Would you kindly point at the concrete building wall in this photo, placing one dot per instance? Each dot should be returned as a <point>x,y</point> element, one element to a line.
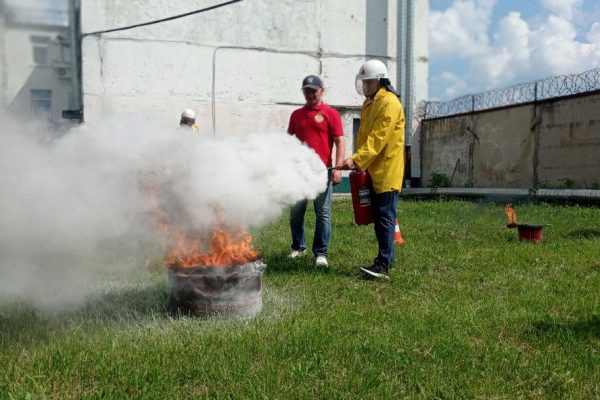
<point>455,142</point>
<point>569,142</point>
<point>239,67</point>
<point>502,144</point>
<point>246,60</point>
<point>528,146</point>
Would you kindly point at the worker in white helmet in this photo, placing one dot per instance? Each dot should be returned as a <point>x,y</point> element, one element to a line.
<point>380,151</point>
<point>188,119</point>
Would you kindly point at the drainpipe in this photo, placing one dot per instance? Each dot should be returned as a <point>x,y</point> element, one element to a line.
<point>409,71</point>
<point>3,81</point>
<point>74,31</point>
<point>405,64</point>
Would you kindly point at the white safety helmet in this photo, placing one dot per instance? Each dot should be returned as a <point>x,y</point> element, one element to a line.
<point>372,69</point>
<point>188,117</point>
<point>188,113</point>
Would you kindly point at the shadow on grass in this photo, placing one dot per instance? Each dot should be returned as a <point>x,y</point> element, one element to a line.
<point>279,263</point>
<point>585,233</point>
<point>23,323</point>
<point>513,238</point>
<point>584,329</point>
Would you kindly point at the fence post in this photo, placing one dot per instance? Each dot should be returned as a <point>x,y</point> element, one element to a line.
<point>535,92</point>
<point>473,103</point>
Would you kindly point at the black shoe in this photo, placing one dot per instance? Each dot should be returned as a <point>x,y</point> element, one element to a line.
<point>376,270</point>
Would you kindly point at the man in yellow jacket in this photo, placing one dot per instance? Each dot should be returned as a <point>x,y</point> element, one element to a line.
<point>380,151</point>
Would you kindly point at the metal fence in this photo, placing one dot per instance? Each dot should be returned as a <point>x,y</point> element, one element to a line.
<point>555,86</point>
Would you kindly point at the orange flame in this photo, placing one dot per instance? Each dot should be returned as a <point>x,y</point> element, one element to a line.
<point>511,214</point>
<point>184,249</point>
<point>225,249</point>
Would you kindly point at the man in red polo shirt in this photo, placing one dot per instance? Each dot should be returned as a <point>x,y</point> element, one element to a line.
<point>318,126</point>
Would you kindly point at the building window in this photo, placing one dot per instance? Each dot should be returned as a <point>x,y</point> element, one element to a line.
<point>40,55</point>
<point>41,104</point>
<point>40,48</point>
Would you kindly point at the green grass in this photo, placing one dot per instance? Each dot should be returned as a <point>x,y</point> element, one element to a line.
<point>469,312</point>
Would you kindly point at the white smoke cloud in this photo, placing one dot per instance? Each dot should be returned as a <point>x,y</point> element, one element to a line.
<point>65,204</point>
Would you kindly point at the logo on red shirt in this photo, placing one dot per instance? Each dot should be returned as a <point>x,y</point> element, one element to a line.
<point>319,117</point>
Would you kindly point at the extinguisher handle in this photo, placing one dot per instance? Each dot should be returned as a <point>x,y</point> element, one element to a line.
<point>339,169</point>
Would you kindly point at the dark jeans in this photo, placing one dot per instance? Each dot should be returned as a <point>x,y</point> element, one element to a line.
<point>384,214</point>
<point>323,222</point>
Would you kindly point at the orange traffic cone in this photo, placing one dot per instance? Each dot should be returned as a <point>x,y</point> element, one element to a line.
<point>397,235</point>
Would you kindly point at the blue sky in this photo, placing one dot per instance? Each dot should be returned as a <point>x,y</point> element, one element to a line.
<point>476,45</point>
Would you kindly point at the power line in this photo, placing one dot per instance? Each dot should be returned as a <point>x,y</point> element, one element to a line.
<point>161,20</point>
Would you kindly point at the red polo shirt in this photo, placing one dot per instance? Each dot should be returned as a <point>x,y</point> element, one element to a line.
<point>316,127</point>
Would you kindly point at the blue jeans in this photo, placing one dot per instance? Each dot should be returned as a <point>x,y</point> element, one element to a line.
<point>384,215</point>
<point>323,222</point>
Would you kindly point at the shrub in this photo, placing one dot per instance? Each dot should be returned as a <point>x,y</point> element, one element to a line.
<point>439,180</point>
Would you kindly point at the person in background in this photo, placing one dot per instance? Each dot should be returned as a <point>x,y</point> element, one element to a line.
<point>380,152</point>
<point>319,126</point>
<point>188,119</point>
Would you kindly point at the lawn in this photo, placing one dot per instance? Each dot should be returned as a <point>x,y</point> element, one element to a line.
<point>469,312</point>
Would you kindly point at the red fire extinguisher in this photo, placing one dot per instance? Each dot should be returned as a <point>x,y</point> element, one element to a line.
<point>360,187</point>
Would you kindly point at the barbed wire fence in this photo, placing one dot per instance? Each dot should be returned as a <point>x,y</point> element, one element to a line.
<point>543,89</point>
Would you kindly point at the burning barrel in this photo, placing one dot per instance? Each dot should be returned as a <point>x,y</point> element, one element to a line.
<point>530,233</point>
<point>527,232</point>
<point>210,272</point>
<point>214,290</point>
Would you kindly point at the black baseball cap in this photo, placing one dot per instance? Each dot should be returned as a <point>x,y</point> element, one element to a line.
<point>313,82</point>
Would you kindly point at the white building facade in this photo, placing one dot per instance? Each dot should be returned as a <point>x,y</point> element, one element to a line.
<point>240,66</point>
<point>36,67</point>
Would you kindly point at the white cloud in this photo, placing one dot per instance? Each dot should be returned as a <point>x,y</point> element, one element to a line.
<point>556,50</point>
<point>594,34</point>
<point>455,85</point>
<point>461,29</point>
<point>517,52</point>
<point>562,8</point>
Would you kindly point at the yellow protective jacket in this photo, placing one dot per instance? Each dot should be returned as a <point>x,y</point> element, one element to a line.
<point>194,128</point>
<point>380,141</point>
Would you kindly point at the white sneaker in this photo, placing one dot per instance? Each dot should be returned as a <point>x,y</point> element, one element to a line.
<point>321,261</point>
<point>296,253</point>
